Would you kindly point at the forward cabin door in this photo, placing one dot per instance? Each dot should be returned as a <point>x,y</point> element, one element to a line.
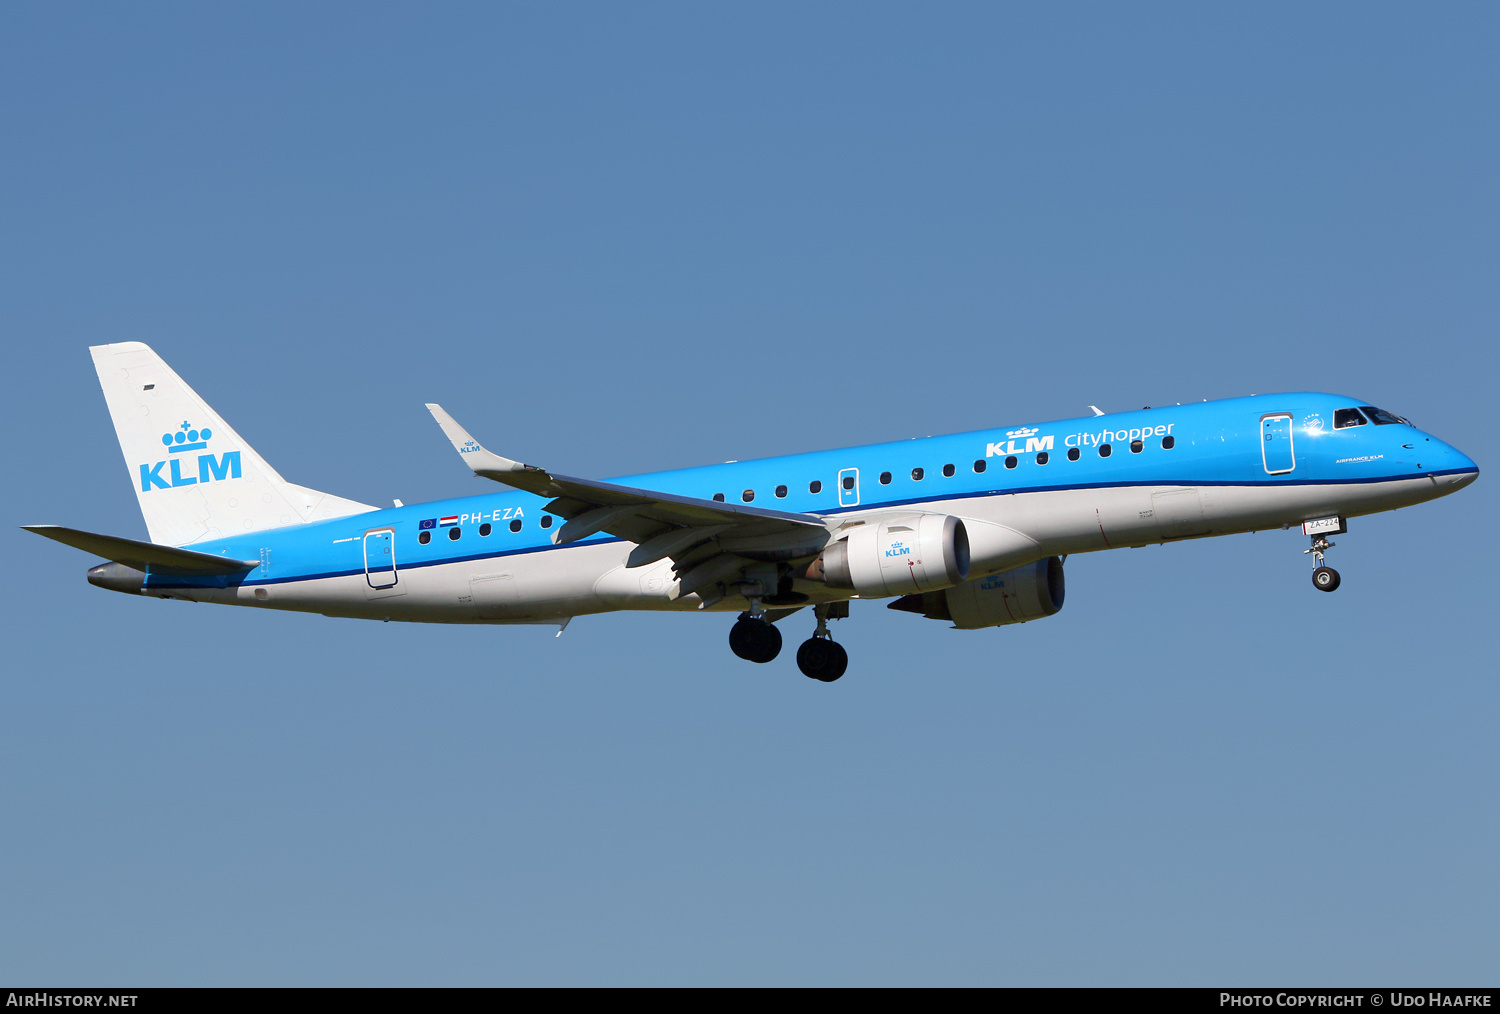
<point>1276,443</point>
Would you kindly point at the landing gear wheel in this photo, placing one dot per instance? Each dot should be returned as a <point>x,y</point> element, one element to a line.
<point>1325,579</point>
<point>822,659</point>
<point>755,640</point>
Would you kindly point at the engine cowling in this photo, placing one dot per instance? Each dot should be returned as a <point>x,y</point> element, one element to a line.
<point>1016,596</point>
<point>897,556</point>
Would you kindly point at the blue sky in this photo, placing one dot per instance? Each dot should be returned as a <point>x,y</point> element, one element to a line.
<point>615,239</point>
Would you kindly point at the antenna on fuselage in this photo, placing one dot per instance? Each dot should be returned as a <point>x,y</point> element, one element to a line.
<point>1097,410</point>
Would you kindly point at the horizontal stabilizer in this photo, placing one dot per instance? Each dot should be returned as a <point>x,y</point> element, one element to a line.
<point>142,554</point>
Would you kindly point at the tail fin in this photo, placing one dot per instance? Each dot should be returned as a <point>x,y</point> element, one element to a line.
<point>196,479</point>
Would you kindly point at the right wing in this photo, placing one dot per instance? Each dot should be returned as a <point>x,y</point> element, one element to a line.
<point>709,541</point>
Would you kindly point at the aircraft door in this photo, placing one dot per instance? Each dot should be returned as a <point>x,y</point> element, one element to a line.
<point>1276,449</point>
<point>849,487</point>
<point>380,558</point>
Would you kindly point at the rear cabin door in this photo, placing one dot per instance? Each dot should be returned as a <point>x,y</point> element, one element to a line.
<point>849,487</point>
<point>380,558</point>
<point>1276,443</point>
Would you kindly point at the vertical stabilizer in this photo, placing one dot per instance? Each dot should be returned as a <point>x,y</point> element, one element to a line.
<point>196,479</point>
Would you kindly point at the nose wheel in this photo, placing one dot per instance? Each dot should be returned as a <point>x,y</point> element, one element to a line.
<point>1324,578</point>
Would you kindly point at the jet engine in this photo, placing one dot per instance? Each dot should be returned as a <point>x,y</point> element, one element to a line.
<point>1026,593</point>
<point>897,556</point>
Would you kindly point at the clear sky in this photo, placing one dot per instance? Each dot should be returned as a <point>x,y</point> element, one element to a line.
<point>615,238</point>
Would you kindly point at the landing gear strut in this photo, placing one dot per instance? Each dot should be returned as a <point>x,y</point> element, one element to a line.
<point>752,637</point>
<point>820,657</point>
<point>1323,578</point>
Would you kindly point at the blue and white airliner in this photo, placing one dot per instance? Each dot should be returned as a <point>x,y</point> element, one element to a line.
<point>971,528</point>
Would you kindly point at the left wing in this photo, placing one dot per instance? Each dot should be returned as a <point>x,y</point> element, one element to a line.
<point>708,541</point>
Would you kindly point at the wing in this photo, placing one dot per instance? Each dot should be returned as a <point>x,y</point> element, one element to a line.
<point>708,541</point>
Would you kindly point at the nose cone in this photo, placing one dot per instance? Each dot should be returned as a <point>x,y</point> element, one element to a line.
<point>1450,467</point>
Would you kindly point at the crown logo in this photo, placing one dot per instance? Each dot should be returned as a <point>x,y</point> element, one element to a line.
<point>1020,434</point>
<point>186,439</point>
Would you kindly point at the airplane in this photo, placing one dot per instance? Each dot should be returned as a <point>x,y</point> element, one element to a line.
<point>972,528</point>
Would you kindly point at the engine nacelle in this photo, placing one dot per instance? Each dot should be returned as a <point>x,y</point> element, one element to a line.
<point>1026,593</point>
<point>897,556</point>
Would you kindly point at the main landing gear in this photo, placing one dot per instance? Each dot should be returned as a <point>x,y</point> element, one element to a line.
<point>1323,578</point>
<point>821,657</point>
<point>755,639</point>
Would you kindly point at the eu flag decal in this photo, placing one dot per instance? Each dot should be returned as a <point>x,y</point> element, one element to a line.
<point>429,523</point>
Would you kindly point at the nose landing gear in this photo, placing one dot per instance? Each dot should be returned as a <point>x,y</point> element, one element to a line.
<point>821,657</point>
<point>1323,578</point>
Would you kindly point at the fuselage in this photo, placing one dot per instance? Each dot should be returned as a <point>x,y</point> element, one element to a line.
<point>1024,491</point>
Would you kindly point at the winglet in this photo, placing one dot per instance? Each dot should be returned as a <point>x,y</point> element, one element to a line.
<point>483,462</point>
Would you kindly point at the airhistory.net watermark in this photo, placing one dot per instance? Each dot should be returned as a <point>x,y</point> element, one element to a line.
<point>42,998</point>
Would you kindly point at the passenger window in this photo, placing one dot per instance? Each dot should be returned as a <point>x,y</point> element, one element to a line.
<point>748,495</point>
<point>424,538</point>
<point>885,478</point>
<point>1168,443</point>
<point>1105,450</point>
<point>719,497</point>
<point>515,525</point>
<point>1136,446</point>
<point>815,486</point>
<point>848,482</point>
<point>485,529</point>
<point>546,521</point>
<point>1010,462</point>
<point>455,533</point>
<point>780,492</point>
<point>916,474</point>
<point>979,465</point>
<point>1072,454</point>
<point>948,471</point>
<point>1041,457</point>
<point>1343,418</point>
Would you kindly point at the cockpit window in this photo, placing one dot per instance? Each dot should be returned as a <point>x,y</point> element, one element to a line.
<point>1380,417</point>
<point>1345,417</point>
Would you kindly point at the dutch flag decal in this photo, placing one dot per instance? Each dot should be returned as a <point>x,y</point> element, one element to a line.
<point>451,519</point>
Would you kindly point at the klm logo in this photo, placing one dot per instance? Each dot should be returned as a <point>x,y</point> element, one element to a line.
<point>210,468</point>
<point>897,549</point>
<point>1029,443</point>
<point>469,447</point>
